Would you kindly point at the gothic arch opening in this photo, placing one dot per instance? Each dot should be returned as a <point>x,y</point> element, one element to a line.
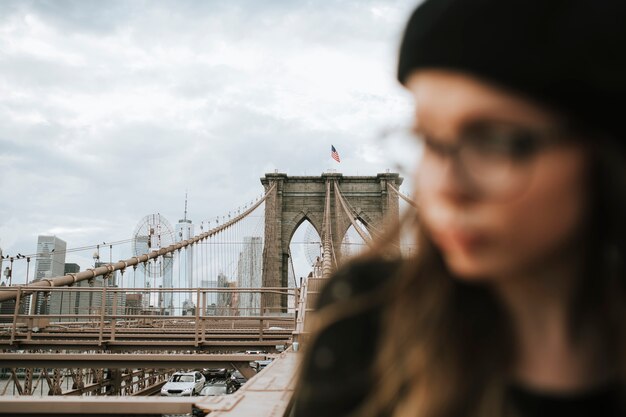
<point>352,243</point>
<point>305,248</point>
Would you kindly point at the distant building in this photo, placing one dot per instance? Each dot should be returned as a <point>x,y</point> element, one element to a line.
<point>49,263</point>
<point>184,231</point>
<point>226,301</point>
<point>166,298</point>
<point>234,297</point>
<point>87,302</point>
<point>65,302</point>
<point>249,272</point>
<point>133,304</point>
<point>7,308</point>
<point>50,260</point>
<point>211,296</point>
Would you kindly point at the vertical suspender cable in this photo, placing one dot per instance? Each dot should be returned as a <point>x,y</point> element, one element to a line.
<point>327,262</point>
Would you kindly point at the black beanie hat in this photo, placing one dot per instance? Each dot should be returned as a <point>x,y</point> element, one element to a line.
<point>567,54</point>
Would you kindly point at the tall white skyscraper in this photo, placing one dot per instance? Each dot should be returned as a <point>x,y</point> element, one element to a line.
<point>49,263</point>
<point>167,303</point>
<point>50,260</point>
<point>249,271</point>
<point>184,231</point>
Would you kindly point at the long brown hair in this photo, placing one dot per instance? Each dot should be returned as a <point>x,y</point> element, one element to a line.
<point>447,346</point>
<point>443,343</point>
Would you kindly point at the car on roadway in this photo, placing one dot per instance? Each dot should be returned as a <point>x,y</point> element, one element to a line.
<point>217,387</point>
<point>258,366</point>
<point>212,373</point>
<point>238,379</point>
<point>183,384</point>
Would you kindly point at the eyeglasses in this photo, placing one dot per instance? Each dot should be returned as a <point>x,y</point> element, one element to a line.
<point>493,159</point>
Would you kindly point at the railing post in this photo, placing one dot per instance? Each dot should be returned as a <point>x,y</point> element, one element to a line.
<point>197,315</point>
<point>113,315</point>
<point>261,322</point>
<point>296,306</point>
<point>16,313</point>
<point>203,317</point>
<point>33,312</point>
<point>102,312</point>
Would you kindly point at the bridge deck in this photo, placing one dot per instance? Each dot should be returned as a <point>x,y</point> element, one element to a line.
<point>122,360</point>
<point>265,395</point>
<point>268,394</point>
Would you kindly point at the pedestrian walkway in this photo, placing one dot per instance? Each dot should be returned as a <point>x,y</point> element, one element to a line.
<point>266,395</point>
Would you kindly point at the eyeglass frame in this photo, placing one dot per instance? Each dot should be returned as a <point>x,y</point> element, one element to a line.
<point>542,138</point>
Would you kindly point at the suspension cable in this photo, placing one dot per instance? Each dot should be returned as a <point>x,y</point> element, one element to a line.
<point>9,293</point>
<point>372,229</point>
<point>350,215</point>
<point>401,195</point>
<point>326,263</point>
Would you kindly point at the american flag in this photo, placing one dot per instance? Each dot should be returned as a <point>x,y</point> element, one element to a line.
<point>334,154</point>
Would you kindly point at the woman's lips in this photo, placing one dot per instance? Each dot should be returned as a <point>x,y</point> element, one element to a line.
<point>459,240</point>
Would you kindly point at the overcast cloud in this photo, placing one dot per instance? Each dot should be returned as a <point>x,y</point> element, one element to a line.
<point>111,110</point>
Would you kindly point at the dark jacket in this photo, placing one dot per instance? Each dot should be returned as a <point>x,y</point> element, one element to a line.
<point>337,373</point>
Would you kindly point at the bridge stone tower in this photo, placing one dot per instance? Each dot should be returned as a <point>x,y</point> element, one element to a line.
<point>299,198</point>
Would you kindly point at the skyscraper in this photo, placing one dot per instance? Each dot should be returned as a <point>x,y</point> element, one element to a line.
<point>225,300</point>
<point>49,263</point>
<point>167,303</point>
<point>50,260</point>
<point>65,302</point>
<point>249,271</point>
<point>75,302</point>
<point>184,231</point>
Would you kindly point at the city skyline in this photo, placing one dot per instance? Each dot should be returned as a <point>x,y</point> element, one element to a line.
<point>110,111</point>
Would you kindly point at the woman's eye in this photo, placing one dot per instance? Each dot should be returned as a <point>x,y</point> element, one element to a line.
<point>522,145</point>
<point>434,147</point>
<point>504,143</point>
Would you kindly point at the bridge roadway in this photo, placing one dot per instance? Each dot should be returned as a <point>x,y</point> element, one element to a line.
<point>131,360</point>
<point>187,341</point>
<point>266,394</point>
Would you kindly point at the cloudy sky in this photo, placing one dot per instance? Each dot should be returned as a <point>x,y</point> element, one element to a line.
<point>111,110</point>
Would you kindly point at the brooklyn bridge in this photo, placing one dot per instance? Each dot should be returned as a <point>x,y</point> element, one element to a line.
<point>106,340</point>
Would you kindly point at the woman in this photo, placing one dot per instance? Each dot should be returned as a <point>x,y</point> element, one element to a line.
<point>516,301</point>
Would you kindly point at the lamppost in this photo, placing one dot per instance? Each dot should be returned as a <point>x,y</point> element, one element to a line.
<point>96,259</point>
<point>8,271</point>
<point>27,268</point>
<point>7,274</point>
